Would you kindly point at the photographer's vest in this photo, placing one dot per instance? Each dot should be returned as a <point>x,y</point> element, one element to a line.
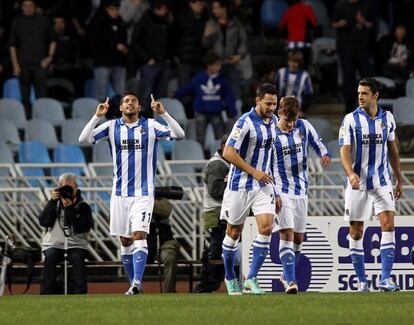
<point>55,237</point>
<point>209,203</point>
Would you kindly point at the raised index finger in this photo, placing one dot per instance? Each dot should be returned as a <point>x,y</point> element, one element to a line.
<point>152,98</point>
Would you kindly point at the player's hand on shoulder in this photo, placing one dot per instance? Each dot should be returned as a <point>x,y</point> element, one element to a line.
<point>325,161</point>
<point>262,177</point>
<point>156,106</point>
<point>354,180</point>
<point>102,108</point>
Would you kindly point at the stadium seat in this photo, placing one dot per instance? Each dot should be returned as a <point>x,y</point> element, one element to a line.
<point>333,148</point>
<point>6,155</point>
<point>49,109</point>
<point>68,153</point>
<point>84,108</point>
<point>210,144</point>
<point>409,88</point>
<point>89,89</point>
<point>43,131</point>
<point>176,109</point>
<point>11,89</point>
<point>13,111</point>
<point>322,127</point>
<point>101,152</point>
<point>404,111</point>
<point>9,134</point>
<point>187,150</point>
<point>34,152</point>
<point>271,12</point>
<point>71,130</point>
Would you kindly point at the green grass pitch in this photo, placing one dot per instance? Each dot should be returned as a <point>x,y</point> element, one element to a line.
<point>304,308</point>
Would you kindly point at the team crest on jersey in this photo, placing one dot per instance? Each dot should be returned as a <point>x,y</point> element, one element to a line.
<point>236,133</point>
<point>382,125</point>
<point>142,131</point>
<point>301,135</point>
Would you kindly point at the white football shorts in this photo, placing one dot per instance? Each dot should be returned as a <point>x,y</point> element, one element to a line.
<point>362,205</point>
<point>237,204</point>
<point>293,214</point>
<point>130,214</point>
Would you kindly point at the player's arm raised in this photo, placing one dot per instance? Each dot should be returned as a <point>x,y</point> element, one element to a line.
<point>395,165</point>
<point>177,131</point>
<point>90,134</point>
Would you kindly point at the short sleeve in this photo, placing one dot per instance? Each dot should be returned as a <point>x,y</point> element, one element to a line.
<point>238,133</point>
<point>392,126</point>
<point>345,132</point>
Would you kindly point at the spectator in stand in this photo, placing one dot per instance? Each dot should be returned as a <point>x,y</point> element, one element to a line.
<point>294,81</point>
<point>299,21</point>
<point>66,61</point>
<point>109,43</point>
<point>227,37</point>
<point>353,23</point>
<point>395,56</point>
<point>211,95</point>
<point>32,47</point>
<point>151,51</point>
<point>189,29</point>
<point>131,11</point>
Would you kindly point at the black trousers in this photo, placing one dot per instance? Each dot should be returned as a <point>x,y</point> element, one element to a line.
<point>53,256</point>
<point>36,76</point>
<point>211,274</point>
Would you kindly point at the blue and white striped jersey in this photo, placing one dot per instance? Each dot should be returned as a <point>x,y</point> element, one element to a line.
<point>295,84</point>
<point>369,137</point>
<point>134,153</point>
<point>290,166</point>
<point>253,139</point>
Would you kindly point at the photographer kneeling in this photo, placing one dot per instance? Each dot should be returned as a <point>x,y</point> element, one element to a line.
<point>65,215</point>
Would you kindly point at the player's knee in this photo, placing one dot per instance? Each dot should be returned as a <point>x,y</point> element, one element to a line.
<point>234,233</point>
<point>388,226</point>
<point>266,230</point>
<point>139,235</point>
<point>356,234</point>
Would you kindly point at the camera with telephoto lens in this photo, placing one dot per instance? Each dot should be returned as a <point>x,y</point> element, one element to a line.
<point>66,191</point>
<point>169,192</point>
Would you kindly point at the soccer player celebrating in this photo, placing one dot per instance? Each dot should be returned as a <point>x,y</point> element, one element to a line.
<point>370,130</point>
<point>133,141</point>
<point>250,186</point>
<point>290,170</point>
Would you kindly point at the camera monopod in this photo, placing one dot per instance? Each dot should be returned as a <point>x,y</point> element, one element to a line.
<point>4,262</point>
<point>66,233</point>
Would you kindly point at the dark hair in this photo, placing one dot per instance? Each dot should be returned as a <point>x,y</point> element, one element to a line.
<point>111,3</point>
<point>290,106</point>
<point>223,141</point>
<point>156,4</point>
<point>129,93</point>
<point>264,89</point>
<point>372,83</point>
<point>210,58</point>
<point>296,56</point>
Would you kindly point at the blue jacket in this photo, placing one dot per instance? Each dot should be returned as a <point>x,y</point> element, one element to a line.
<point>210,94</point>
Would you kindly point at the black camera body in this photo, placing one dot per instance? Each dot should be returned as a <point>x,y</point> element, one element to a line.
<point>66,191</point>
<point>169,192</point>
